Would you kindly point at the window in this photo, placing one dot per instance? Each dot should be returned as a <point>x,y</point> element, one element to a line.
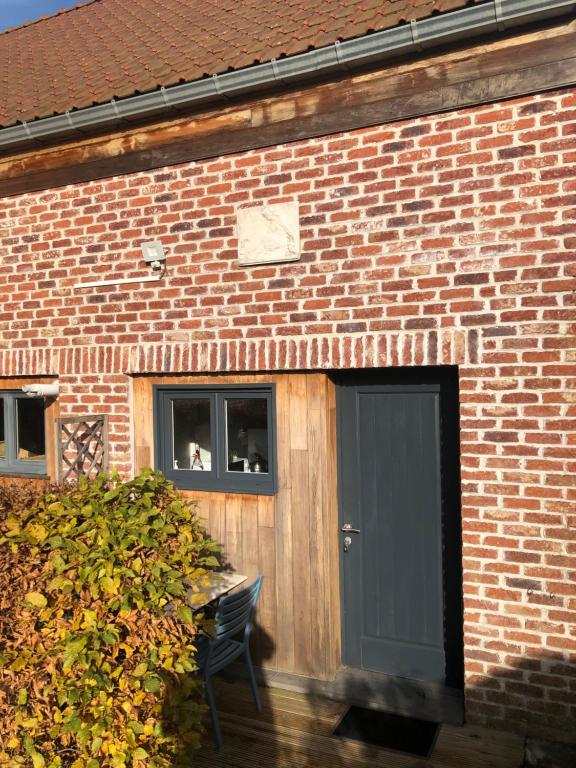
<point>22,434</point>
<point>218,438</point>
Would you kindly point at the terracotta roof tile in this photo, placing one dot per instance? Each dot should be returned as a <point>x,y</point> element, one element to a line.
<point>115,48</point>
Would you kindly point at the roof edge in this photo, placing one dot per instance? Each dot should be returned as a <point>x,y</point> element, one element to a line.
<point>428,33</point>
<point>61,12</point>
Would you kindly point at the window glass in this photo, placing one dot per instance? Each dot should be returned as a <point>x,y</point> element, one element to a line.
<point>2,434</point>
<point>31,440</point>
<point>247,435</point>
<point>191,447</point>
<point>219,438</point>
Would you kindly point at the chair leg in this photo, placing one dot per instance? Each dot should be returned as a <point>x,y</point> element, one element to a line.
<point>218,741</point>
<point>252,677</point>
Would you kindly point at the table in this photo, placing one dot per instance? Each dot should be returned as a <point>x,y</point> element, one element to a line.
<point>219,584</point>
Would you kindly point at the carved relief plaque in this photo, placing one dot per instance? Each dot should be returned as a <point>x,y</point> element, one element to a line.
<point>268,233</point>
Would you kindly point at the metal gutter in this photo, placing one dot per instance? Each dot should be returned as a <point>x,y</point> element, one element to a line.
<point>432,32</point>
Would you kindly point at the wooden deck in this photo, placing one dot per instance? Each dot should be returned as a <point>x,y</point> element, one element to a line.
<point>294,731</point>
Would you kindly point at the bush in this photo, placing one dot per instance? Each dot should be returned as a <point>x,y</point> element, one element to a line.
<point>97,639</point>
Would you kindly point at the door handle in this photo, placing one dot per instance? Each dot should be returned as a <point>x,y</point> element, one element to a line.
<point>347,528</point>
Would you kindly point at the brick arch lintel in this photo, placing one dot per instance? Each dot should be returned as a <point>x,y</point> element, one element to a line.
<point>451,346</point>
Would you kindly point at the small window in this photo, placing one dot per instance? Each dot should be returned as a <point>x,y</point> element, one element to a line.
<point>220,438</point>
<point>22,434</point>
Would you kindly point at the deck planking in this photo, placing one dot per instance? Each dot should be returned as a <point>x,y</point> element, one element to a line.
<point>295,731</point>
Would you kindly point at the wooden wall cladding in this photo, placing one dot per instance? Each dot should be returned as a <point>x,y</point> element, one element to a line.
<point>291,537</point>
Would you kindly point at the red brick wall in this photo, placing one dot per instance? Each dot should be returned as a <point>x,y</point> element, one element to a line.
<point>444,240</point>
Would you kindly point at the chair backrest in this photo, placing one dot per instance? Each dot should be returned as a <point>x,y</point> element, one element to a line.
<point>235,612</point>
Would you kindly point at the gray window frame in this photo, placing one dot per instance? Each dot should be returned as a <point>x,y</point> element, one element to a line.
<point>218,478</point>
<point>11,464</point>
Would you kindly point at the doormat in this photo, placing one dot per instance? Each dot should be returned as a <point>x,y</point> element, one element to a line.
<point>403,734</point>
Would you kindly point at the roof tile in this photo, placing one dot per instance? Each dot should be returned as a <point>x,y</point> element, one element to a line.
<point>115,48</point>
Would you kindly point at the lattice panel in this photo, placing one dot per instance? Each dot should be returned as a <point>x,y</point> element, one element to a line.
<point>82,447</point>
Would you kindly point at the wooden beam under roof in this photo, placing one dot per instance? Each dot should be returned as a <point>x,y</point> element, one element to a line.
<point>492,71</point>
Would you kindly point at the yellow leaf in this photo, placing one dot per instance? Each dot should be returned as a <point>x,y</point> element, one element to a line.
<point>36,599</point>
<point>37,531</point>
<point>108,585</point>
<point>88,618</point>
<point>37,760</point>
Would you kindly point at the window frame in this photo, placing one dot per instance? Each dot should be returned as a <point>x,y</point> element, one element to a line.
<point>11,464</point>
<point>218,478</point>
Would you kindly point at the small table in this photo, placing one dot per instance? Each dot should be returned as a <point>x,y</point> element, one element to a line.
<point>219,584</point>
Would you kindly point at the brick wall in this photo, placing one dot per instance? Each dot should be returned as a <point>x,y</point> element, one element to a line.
<point>444,240</point>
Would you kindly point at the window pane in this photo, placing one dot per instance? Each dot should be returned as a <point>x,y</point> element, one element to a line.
<point>191,429</point>
<point>30,424</point>
<point>247,435</point>
<point>2,438</point>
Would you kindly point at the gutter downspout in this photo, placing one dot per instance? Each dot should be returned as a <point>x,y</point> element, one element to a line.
<point>435,31</point>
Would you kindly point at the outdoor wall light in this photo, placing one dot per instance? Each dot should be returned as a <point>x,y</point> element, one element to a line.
<point>152,253</point>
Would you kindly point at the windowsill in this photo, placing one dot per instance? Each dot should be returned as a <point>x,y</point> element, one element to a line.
<point>24,475</point>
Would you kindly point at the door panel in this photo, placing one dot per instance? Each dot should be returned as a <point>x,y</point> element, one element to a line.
<point>390,486</point>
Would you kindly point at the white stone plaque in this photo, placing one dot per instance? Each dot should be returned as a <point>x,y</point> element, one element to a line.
<point>268,233</point>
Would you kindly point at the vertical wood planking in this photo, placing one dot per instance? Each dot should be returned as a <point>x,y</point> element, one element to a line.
<point>331,525</point>
<point>286,537</point>
<point>318,499</point>
<point>283,434</point>
<point>249,534</point>
<point>301,571</point>
<point>143,424</point>
<point>233,531</point>
<point>286,628</point>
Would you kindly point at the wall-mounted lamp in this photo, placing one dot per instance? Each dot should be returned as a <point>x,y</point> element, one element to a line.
<point>152,253</point>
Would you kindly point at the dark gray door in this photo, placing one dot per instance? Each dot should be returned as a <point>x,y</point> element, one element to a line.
<point>391,492</point>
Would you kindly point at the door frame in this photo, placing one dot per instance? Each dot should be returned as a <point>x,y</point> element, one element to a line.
<point>446,377</point>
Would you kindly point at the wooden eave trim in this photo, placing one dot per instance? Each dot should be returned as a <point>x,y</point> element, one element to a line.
<point>528,63</point>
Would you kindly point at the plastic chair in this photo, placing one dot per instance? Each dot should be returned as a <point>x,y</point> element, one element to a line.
<point>234,616</point>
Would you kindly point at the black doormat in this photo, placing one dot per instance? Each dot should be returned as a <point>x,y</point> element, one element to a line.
<point>404,734</point>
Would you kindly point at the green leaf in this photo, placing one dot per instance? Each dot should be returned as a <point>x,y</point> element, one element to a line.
<point>141,669</point>
<point>185,614</point>
<point>36,599</point>
<point>152,684</point>
<point>139,754</point>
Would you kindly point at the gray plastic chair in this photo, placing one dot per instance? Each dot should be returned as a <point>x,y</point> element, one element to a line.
<point>234,617</point>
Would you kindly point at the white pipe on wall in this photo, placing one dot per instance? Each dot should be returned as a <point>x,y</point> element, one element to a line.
<point>42,390</point>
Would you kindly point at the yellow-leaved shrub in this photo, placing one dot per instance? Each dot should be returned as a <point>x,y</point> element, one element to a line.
<point>96,634</point>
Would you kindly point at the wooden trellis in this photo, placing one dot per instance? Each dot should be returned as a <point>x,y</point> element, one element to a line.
<point>82,445</point>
